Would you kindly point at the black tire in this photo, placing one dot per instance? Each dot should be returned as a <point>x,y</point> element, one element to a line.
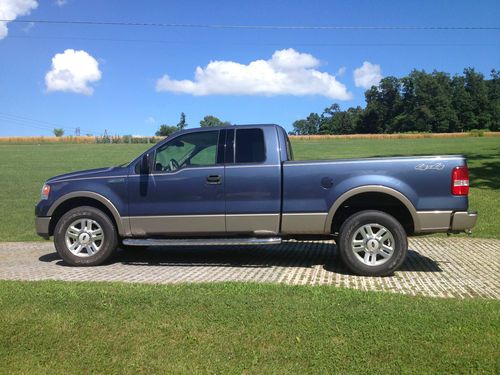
<point>107,245</point>
<point>374,219</point>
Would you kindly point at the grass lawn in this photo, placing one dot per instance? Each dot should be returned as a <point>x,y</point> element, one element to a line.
<point>57,327</point>
<point>26,167</point>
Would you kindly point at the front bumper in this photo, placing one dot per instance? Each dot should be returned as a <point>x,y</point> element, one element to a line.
<point>42,225</point>
<point>463,221</point>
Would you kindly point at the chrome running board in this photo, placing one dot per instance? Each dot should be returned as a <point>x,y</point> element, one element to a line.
<point>202,241</point>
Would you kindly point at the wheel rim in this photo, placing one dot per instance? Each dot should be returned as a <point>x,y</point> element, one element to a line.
<point>84,237</point>
<point>373,244</point>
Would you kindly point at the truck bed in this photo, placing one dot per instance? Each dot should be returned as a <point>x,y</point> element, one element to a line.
<point>311,188</point>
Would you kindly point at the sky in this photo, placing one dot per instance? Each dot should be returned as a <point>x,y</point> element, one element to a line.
<point>131,79</point>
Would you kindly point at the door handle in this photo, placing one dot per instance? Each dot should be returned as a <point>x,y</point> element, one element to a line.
<point>214,179</point>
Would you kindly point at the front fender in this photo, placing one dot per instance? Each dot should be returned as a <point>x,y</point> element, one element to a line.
<point>92,195</point>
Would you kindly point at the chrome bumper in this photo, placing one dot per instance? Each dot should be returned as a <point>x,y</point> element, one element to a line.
<point>445,221</point>
<point>42,226</point>
<point>463,221</point>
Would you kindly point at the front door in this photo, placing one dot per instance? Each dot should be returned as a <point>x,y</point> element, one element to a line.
<point>184,192</point>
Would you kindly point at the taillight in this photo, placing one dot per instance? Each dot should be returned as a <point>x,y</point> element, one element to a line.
<point>45,192</point>
<point>460,181</point>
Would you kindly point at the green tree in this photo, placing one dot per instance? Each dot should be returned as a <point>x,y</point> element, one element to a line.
<point>309,126</point>
<point>298,127</point>
<point>58,132</point>
<point>182,121</point>
<point>433,111</point>
<point>462,104</point>
<point>209,121</point>
<point>336,121</point>
<point>494,100</point>
<point>475,85</point>
<point>383,104</point>
<point>369,122</point>
<point>327,122</point>
<point>166,130</point>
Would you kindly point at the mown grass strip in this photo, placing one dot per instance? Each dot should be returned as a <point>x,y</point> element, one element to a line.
<point>57,327</point>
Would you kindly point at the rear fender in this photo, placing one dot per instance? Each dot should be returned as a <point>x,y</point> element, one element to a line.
<point>372,189</point>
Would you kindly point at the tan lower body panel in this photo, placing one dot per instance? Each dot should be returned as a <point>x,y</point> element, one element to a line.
<point>255,223</point>
<point>150,225</point>
<point>433,221</point>
<point>303,223</point>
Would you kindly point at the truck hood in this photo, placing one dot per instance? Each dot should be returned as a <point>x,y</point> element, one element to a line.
<point>98,172</point>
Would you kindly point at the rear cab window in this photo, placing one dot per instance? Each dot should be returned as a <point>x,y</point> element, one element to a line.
<point>250,146</point>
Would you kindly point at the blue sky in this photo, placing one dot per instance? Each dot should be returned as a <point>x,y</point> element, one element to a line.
<point>116,80</point>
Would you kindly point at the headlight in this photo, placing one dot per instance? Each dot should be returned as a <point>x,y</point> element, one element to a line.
<point>45,192</point>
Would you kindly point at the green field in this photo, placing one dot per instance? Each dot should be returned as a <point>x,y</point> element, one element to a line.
<point>57,327</point>
<point>111,328</point>
<point>25,168</point>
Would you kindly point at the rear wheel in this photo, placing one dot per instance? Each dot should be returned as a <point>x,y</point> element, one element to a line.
<point>372,243</point>
<point>85,236</point>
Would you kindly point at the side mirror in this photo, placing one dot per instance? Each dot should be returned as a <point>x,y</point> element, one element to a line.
<point>145,164</point>
<point>178,144</point>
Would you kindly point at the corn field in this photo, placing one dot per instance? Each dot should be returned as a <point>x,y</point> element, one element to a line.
<point>128,139</point>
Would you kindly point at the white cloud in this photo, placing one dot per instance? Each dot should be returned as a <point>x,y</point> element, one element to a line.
<point>151,120</point>
<point>73,71</point>
<point>60,2</point>
<point>341,71</point>
<point>288,72</point>
<point>28,27</point>
<point>367,75</point>
<point>11,9</point>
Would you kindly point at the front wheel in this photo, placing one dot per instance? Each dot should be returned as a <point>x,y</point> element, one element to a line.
<point>372,243</point>
<point>85,236</point>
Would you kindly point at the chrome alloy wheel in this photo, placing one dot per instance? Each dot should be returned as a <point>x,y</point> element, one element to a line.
<point>84,237</point>
<point>373,244</point>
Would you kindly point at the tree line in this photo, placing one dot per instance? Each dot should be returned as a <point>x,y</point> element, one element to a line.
<point>420,102</point>
<point>163,131</point>
<point>166,130</point>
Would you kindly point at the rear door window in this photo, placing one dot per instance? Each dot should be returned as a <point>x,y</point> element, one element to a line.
<point>250,146</point>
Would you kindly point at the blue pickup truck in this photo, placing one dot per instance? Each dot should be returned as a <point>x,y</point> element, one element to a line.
<point>240,185</point>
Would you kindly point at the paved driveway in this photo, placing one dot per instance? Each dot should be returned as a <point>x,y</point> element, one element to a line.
<point>435,266</point>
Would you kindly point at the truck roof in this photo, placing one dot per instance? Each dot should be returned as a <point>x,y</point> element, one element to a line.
<point>192,130</point>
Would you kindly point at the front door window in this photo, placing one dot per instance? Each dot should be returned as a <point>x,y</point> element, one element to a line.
<point>188,150</point>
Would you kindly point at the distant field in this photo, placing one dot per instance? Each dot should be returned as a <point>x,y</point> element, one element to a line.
<point>140,139</point>
<point>26,166</point>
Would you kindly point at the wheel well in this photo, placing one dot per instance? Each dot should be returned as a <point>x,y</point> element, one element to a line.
<point>77,202</point>
<point>374,201</point>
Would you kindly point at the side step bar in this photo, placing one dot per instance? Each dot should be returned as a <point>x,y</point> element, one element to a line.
<point>202,241</point>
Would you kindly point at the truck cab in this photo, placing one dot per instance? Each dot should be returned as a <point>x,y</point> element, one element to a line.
<point>210,181</point>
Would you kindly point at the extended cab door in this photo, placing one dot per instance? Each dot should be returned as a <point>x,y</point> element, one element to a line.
<point>252,180</point>
<point>184,192</point>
